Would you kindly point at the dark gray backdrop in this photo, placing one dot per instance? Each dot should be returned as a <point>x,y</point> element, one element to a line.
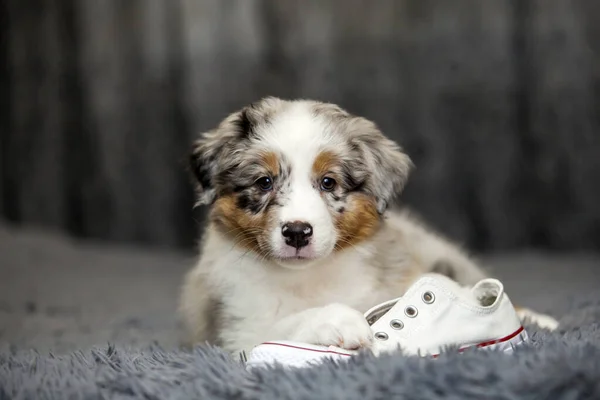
<point>497,102</point>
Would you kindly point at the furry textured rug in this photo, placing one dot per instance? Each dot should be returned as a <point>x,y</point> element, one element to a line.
<point>58,295</point>
<point>561,365</point>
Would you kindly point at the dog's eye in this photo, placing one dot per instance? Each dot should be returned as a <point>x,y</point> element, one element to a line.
<point>265,183</point>
<point>327,184</point>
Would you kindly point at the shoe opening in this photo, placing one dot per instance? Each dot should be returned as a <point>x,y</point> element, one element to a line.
<point>487,292</point>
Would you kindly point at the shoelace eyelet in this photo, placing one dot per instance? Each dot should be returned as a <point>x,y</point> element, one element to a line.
<point>428,297</point>
<point>411,311</point>
<point>381,336</point>
<point>396,324</point>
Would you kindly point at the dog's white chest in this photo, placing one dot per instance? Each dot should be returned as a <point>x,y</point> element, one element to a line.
<point>263,297</point>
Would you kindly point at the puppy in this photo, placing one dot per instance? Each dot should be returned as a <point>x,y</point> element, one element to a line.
<point>300,241</point>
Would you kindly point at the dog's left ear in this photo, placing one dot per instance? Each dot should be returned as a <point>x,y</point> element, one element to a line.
<point>388,167</point>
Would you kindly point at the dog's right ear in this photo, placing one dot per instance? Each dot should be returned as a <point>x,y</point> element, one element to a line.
<point>203,165</point>
<point>215,152</point>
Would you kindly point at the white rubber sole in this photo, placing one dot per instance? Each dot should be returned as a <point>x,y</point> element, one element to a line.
<point>293,354</point>
<point>299,355</point>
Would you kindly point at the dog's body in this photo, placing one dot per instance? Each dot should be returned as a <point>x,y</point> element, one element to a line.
<point>300,242</point>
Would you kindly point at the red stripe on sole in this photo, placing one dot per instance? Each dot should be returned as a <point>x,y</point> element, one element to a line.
<point>504,339</point>
<point>490,342</point>
<point>305,348</point>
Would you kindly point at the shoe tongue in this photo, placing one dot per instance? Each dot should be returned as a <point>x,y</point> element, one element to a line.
<point>439,280</point>
<point>467,294</point>
<point>443,280</point>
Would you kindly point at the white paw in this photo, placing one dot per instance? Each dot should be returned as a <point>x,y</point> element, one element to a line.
<point>336,325</point>
<point>542,320</point>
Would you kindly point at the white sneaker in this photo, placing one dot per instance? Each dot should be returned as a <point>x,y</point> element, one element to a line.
<point>434,313</point>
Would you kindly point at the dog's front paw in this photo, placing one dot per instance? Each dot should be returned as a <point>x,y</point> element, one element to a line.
<point>337,325</point>
<point>542,320</point>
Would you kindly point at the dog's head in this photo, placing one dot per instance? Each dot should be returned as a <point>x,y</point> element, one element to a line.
<point>297,180</point>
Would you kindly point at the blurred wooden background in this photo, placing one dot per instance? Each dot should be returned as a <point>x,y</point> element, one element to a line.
<point>497,102</point>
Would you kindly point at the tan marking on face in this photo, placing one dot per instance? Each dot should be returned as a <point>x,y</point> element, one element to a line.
<point>270,162</point>
<point>358,222</point>
<point>324,163</point>
<point>247,230</point>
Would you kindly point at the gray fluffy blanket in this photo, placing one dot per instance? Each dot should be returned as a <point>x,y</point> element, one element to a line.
<point>561,365</point>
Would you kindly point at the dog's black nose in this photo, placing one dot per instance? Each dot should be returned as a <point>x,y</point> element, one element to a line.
<point>296,233</point>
